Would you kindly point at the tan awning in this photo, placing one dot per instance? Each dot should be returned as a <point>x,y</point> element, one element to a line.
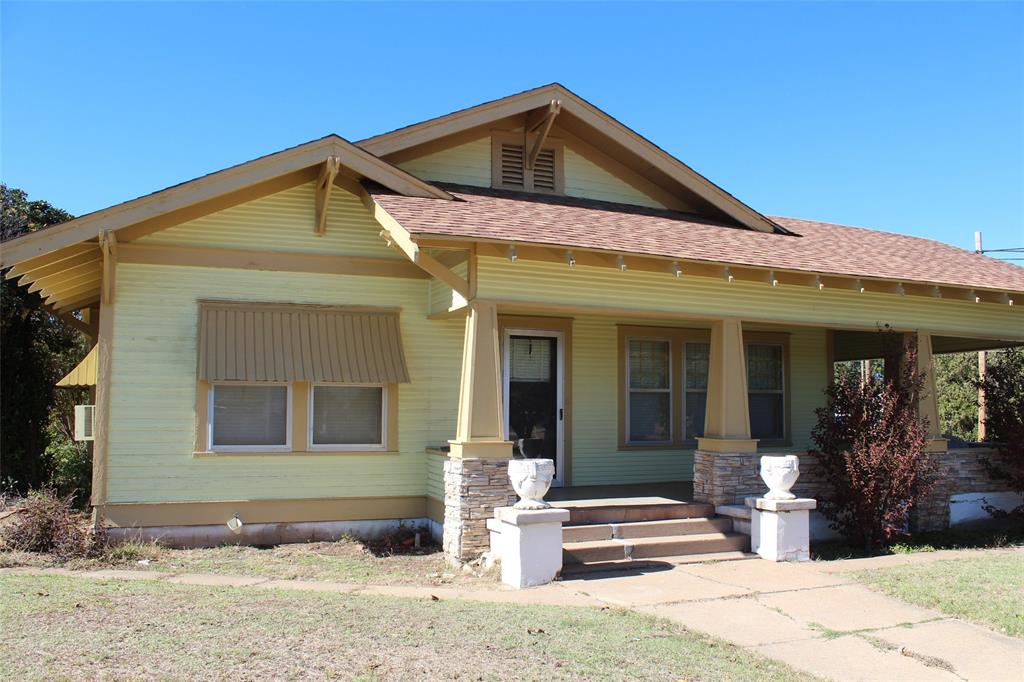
<point>275,342</point>
<point>84,373</point>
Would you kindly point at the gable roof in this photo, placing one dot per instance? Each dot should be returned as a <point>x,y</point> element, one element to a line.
<point>273,172</point>
<point>583,119</point>
<point>817,248</point>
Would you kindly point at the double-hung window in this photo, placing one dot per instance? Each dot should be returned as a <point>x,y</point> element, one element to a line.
<point>347,417</point>
<point>247,416</point>
<point>665,387</point>
<point>649,377</point>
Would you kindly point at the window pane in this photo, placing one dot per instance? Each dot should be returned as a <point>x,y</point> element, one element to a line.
<point>697,355</point>
<point>764,368</point>
<point>530,358</point>
<point>767,416</point>
<point>649,417</point>
<point>250,415</point>
<point>648,364</point>
<point>696,408</point>
<point>347,415</point>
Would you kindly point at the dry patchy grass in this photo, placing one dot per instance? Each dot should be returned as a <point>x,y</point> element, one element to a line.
<point>985,589</point>
<point>342,561</point>
<point>54,627</point>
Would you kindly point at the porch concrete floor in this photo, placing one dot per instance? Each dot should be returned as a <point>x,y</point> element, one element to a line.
<point>631,494</point>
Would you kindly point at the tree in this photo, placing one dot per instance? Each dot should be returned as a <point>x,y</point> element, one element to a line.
<point>36,350</point>
<point>956,387</point>
<point>1004,417</point>
<point>871,445</point>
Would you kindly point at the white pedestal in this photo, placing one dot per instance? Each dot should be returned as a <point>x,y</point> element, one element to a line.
<point>780,529</point>
<point>529,544</point>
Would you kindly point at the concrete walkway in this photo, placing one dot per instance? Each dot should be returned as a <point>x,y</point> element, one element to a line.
<point>811,615</point>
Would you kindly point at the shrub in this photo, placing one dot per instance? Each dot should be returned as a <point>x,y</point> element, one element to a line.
<point>48,523</point>
<point>872,447</point>
<point>1004,419</point>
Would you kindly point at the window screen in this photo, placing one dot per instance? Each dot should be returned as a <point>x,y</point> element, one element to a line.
<point>348,415</point>
<point>247,415</point>
<point>650,391</point>
<point>696,388</point>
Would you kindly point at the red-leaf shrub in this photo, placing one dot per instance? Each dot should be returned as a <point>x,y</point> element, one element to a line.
<point>1004,420</point>
<point>871,445</point>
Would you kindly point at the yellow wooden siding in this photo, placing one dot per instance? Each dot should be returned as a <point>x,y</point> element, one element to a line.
<point>284,222</point>
<point>465,164</point>
<point>154,390</point>
<point>470,164</point>
<point>585,179</point>
<point>554,283</point>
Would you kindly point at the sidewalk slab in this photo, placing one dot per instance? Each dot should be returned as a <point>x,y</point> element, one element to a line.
<point>974,652</point>
<point>765,576</point>
<point>631,589</point>
<point>846,608</point>
<point>852,659</point>
<point>743,621</point>
<point>308,586</point>
<point>116,574</point>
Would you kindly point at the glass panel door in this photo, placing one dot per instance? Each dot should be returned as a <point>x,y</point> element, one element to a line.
<point>533,407</point>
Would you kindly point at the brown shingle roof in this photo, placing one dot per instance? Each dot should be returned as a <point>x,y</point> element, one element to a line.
<point>503,215</point>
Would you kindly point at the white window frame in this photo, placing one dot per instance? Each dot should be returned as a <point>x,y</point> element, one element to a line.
<point>348,447</point>
<point>210,402</point>
<point>629,391</point>
<point>762,391</point>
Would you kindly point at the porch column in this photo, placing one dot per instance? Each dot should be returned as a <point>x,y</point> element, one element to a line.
<point>928,403</point>
<point>476,473</point>
<point>725,463</point>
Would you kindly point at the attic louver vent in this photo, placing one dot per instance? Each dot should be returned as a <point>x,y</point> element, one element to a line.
<point>512,173</point>
<point>544,171</point>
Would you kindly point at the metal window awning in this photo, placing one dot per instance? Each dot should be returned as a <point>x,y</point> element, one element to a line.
<point>280,342</point>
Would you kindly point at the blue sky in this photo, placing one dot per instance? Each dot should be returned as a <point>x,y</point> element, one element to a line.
<point>902,117</point>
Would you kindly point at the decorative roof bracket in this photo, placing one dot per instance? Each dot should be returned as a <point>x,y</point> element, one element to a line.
<point>544,127</point>
<point>324,183</point>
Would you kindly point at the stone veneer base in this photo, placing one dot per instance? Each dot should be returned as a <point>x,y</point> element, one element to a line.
<point>473,489</point>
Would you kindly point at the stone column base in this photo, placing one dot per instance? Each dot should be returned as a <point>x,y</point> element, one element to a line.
<point>529,544</point>
<point>725,477</point>
<point>780,529</point>
<point>473,489</point>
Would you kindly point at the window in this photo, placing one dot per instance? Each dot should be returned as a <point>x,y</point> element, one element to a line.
<point>510,167</point>
<point>765,389</point>
<point>347,417</point>
<point>664,386</point>
<point>249,417</point>
<point>696,389</point>
<point>649,376</point>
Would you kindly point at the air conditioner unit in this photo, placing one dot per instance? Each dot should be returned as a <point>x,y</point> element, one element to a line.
<point>85,420</point>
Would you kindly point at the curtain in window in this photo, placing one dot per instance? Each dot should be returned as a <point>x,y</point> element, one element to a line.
<point>347,415</point>
<point>530,359</point>
<point>250,415</point>
<point>650,402</point>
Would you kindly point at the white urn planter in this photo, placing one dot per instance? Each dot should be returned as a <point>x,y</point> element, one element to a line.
<point>779,474</point>
<point>531,479</point>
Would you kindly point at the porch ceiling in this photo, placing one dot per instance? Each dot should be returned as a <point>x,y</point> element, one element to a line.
<point>860,345</point>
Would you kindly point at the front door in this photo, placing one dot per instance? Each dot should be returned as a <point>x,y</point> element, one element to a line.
<point>534,408</point>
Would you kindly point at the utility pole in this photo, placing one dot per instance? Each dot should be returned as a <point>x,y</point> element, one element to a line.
<point>982,363</point>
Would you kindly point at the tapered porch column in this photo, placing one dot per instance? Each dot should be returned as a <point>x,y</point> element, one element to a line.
<point>928,403</point>
<point>726,457</point>
<point>476,473</point>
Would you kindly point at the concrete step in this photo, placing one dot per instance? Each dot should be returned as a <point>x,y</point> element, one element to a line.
<point>652,547</point>
<point>570,571</point>
<point>645,529</point>
<point>589,513</point>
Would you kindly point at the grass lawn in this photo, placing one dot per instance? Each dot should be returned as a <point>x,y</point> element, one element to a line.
<point>55,627</point>
<point>988,534</point>
<point>985,589</point>
<point>343,561</point>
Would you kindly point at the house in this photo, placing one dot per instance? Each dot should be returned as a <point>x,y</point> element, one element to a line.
<point>341,335</point>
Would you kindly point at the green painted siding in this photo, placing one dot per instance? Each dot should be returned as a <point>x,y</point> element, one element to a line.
<point>586,287</point>
<point>154,387</point>
<point>585,179</point>
<point>435,475</point>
